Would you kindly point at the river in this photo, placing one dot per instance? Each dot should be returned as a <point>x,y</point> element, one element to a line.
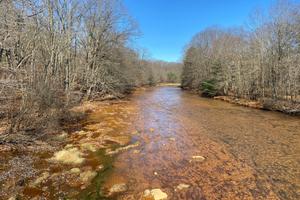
<point>249,153</point>
<point>160,139</point>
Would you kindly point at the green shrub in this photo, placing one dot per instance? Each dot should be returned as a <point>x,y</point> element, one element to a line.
<point>209,88</point>
<point>172,78</point>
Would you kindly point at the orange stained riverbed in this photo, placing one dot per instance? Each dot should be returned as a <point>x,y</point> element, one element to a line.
<point>248,153</point>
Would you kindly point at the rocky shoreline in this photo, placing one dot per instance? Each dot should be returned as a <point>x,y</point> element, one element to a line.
<point>71,163</point>
<point>264,104</point>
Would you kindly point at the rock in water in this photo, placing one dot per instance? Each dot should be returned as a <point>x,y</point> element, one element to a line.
<point>88,147</point>
<point>68,156</point>
<point>42,178</point>
<point>110,152</point>
<point>156,194</point>
<point>75,171</point>
<point>182,186</point>
<point>62,136</point>
<point>87,176</point>
<point>198,158</point>
<point>117,188</point>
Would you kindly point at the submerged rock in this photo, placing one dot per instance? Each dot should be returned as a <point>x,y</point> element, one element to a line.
<point>68,146</point>
<point>75,170</point>
<point>68,156</point>
<point>87,176</point>
<point>136,151</point>
<point>89,147</point>
<point>182,186</point>
<point>62,136</point>
<point>151,130</point>
<point>109,152</point>
<point>40,179</point>
<point>198,158</point>
<point>81,133</point>
<point>135,133</point>
<point>100,167</point>
<point>156,194</point>
<point>117,188</point>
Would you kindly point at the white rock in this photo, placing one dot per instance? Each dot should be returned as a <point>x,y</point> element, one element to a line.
<point>62,136</point>
<point>43,177</point>
<point>147,193</point>
<point>182,186</point>
<point>117,188</point>
<point>75,170</point>
<point>136,151</point>
<point>198,158</point>
<point>68,156</point>
<point>156,194</point>
<point>100,167</point>
<point>110,152</point>
<point>87,176</point>
<point>88,147</point>
<point>68,146</point>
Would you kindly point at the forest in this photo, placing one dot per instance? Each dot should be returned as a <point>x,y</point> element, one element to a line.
<point>258,61</point>
<point>56,53</point>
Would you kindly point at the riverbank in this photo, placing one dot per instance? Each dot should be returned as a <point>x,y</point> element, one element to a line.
<point>69,163</point>
<point>265,104</point>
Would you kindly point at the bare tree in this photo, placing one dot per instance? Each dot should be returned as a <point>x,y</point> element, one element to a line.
<point>54,52</point>
<point>260,63</point>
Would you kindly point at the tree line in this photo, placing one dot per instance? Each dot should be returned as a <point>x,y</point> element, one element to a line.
<point>166,72</point>
<point>260,60</point>
<point>54,53</point>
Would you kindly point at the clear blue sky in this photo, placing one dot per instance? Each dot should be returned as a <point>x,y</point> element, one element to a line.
<point>168,25</point>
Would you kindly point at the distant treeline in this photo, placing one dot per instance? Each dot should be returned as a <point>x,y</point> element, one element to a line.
<point>258,61</point>
<point>166,72</point>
